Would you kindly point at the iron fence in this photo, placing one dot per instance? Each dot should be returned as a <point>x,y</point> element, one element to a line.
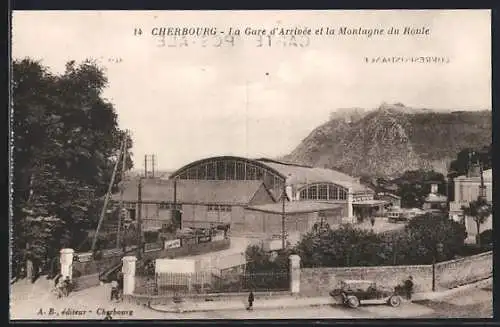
<point>209,282</point>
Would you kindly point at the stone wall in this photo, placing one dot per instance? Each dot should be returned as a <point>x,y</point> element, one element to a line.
<point>189,249</point>
<point>320,281</point>
<point>448,274</point>
<point>94,266</point>
<point>87,281</point>
<point>98,266</point>
<point>463,271</point>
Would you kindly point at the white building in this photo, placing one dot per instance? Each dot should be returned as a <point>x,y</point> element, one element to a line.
<point>466,189</point>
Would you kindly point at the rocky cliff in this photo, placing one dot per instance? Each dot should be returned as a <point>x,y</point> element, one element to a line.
<point>392,139</point>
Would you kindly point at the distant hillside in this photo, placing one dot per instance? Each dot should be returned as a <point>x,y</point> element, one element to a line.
<point>392,139</point>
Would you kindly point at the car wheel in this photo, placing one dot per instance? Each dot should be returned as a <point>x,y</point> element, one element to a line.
<point>352,301</point>
<point>395,301</point>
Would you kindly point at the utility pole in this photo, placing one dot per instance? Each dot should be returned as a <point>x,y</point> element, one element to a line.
<point>106,199</point>
<point>482,187</point>
<point>153,165</point>
<point>175,214</point>
<point>145,166</point>
<point>139,218</point>
<point>124,166</point>
<point>283,216</point>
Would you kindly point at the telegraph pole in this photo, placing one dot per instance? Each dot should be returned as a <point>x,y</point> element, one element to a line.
<point>153,165</point>
<point>482,187</point>
<point>145,166</point>
<point>106,200</point>
<point>139,218</point>
<point>120,216</point>
<point>175,213</point>
<point>283,216</point>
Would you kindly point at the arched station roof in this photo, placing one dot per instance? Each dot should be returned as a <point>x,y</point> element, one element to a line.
<point>293,174</point>
<point>200,162</point>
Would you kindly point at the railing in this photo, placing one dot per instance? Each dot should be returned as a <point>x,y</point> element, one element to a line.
<point>201,224</point>
<point>212,282</point>
<point>457,205</point>
<point>153,247</point>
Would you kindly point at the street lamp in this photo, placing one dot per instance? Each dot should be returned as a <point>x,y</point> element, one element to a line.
<point>437,253</point>
<point>283,217</point>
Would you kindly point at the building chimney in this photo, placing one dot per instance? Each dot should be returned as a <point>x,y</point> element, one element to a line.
<point>434,188</point>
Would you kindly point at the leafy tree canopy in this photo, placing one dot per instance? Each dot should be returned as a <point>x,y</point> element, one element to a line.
<point>424,239</point>
<point>67,141</point>
<point>414,186</point>
<point>460,165</point>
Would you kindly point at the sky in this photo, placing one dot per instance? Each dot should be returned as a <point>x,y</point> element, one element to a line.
<point>246,97</point>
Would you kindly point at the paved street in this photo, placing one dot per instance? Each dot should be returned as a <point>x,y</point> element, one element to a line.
<point>29,299</point>
<point>320,312</point>
<point>475,303</point>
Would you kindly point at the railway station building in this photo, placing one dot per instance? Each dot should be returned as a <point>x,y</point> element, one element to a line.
<point>248,195</point>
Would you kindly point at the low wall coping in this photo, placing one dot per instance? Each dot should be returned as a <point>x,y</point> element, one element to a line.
<point>468,258</point>
<point>472,257</point>
<point>371,267</point>
<point>195,296</point>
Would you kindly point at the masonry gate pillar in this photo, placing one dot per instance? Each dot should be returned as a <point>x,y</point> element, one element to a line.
<point>294,274</point>
<point>66,260</point>
<point>128,270</point>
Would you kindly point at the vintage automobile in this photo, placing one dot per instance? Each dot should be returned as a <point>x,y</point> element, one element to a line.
<point>352,292</point>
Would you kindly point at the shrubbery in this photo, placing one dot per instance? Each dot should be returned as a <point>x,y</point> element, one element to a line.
<point>486,237</point>
<point>424,239</point>
<point>259,260</point>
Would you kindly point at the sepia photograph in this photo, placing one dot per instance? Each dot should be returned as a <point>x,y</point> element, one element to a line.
<point>250,164</point>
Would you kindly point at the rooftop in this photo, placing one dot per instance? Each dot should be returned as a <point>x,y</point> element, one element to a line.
<point>433,197</point>
<point>487,175</point>
<point>297,174</point>
<point>389,195</point>
<point>369,203</point>
<point>192,191</point>
<point>296,207</point>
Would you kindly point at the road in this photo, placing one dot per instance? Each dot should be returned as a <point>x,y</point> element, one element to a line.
<point>35,302</point>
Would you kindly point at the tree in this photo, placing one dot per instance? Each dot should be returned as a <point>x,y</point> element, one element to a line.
<point>259,260</point>
<point>460,165</point>
<point>425,239</point>
<point>67,140</point>
<point>414,186</point>
<point>346,246</point>
<point>486,237</point>
<point>479,210</point>
<point>424,233</point>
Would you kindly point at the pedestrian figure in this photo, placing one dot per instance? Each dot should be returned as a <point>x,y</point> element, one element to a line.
<point>66,286</point>
<point>114,290</point>
<point>250,301</point>
<point>408,286</point>
<point>120,285</point>
<point>56,279</point>
<point>59,287</point>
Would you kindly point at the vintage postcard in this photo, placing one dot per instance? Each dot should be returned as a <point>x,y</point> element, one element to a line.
<point>251,165</point>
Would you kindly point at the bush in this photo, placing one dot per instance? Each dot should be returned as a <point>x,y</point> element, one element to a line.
<point>259,260</point>
<point>416,244</point>
<point>346,246</point>
<point>486,237</point>
<point>151,236</point>
<point>426,232</point>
